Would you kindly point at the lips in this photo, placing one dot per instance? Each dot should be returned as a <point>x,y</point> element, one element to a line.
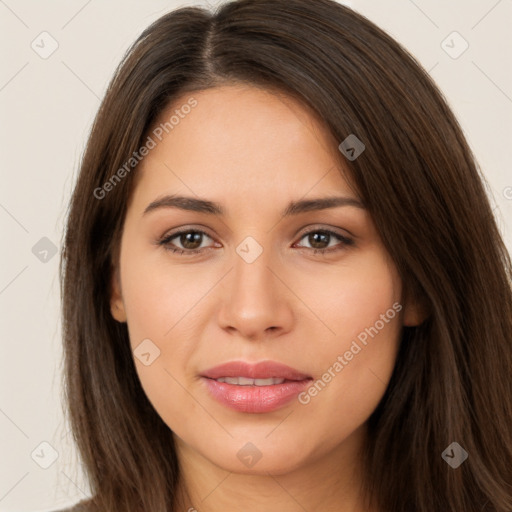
<point>245,381</point>
<point>254,388</point>
<point>262,370</point>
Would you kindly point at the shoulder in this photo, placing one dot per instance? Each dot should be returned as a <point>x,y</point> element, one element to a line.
<point>82,506</point>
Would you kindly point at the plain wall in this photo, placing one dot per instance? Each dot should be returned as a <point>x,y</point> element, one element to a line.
<point>47,107</point>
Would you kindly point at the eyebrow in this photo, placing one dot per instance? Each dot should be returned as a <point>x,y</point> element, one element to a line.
<point>213,208</point>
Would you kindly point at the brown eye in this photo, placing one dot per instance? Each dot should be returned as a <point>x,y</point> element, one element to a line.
<point>319,240</point>
<point>190,241</point>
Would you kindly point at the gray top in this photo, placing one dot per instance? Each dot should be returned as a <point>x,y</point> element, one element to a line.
<point>81,506</point>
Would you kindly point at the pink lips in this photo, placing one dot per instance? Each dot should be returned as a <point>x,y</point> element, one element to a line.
<point>253,398</point>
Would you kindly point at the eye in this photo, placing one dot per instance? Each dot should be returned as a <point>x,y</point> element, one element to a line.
<point>319,237</point>
<point>191,241</point>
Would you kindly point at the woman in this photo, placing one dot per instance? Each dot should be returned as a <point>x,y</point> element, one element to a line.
<point>283,285</point>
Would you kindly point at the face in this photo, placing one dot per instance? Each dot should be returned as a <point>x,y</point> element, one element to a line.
<point>256,282</point>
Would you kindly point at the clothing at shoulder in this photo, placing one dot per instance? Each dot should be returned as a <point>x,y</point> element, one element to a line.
<point>81,506</point>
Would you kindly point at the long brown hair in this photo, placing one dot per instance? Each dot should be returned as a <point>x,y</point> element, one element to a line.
<point>427,198</point>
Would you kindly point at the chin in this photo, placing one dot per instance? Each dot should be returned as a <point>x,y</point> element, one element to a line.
<point>258,458</point>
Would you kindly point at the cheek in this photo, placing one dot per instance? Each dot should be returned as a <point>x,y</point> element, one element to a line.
<point>353,365</point>
<point>356,295</point>
<point>159,297</point>
<point>165,303</point>
<point>159,304</point>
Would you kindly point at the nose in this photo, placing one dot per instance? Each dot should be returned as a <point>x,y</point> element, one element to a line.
<point>256,302</point>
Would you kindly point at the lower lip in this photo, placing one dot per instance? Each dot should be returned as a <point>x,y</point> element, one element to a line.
<point>255,399</point>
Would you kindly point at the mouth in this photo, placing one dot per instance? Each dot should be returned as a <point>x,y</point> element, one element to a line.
<point>245,381</point>
<point>245,372</point>
<point>254,388</point>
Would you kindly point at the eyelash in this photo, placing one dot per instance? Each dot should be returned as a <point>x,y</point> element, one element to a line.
<point>165,241</point>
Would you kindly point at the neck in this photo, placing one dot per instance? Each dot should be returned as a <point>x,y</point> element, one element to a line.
<point>330,482</point>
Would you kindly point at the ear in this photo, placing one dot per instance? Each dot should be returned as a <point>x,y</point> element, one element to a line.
<point>416,310</point>
<point>116,298</point>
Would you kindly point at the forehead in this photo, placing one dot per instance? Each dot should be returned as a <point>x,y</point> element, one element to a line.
<point>243,139</point>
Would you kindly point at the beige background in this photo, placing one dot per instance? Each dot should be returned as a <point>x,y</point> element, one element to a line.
<point>47,106</point>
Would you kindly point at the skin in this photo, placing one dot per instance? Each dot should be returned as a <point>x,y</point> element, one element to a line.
<point>254,151</point>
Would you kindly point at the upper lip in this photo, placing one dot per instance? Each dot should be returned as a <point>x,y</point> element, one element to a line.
<point>261,370</point>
